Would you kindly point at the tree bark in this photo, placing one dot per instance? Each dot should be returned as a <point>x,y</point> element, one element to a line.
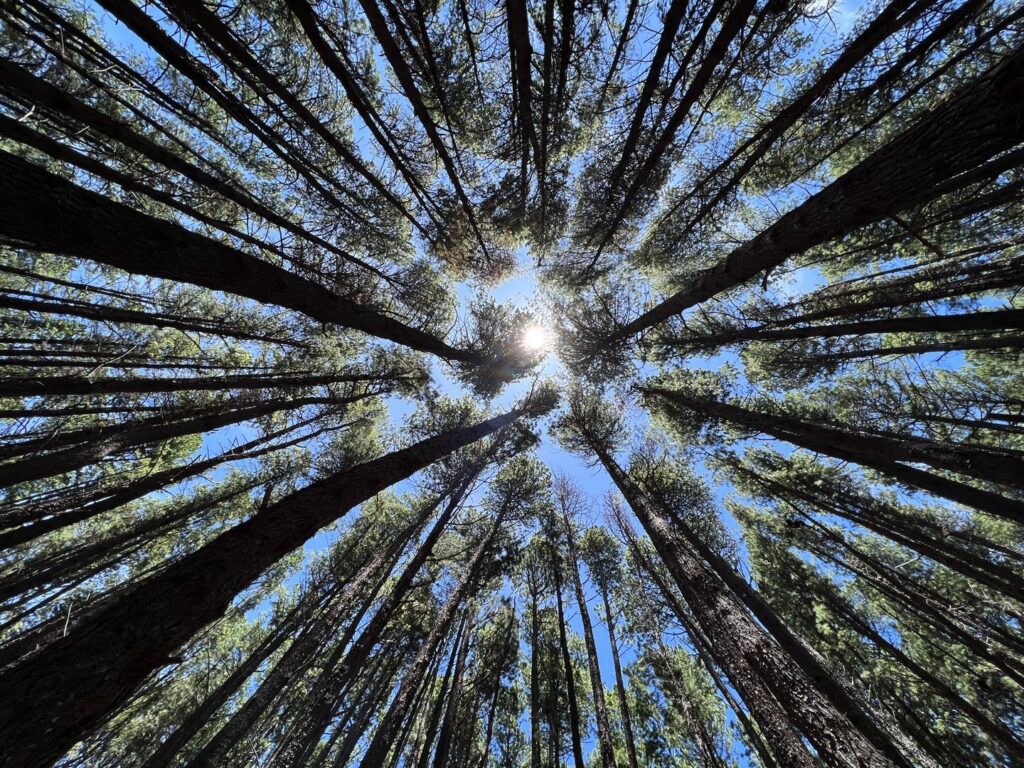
<point>575,727</point>
<point>747,653</point>
<point>451,713</point>
<point>105,442</point>
<point>620,685</point>
<point>321,700</point>
<point>604,736</point>
<point>380,745</point>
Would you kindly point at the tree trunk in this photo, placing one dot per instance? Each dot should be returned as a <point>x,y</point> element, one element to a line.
<point>321,699</point>
<point>575,727</point>
<point>444,738</point>
<point>604,736</point>
<point>425,739</point>
<point>620,685</point>
<point>535,713</point>
<point>884,454</point>
<point>979,122</point>
<point>894,17</point>
<point>380,745</point>
<point>975,321</point>
<point>110,441</point>
<point>63,693</point>
<point>747,653</point>
<point>339,611</point>
<point>89,226</point>
<point>201,715</point>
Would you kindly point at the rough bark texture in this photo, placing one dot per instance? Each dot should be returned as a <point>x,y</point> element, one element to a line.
<point>751,659</point>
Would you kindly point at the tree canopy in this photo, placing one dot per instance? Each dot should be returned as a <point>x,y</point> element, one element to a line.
<point>295,472</point>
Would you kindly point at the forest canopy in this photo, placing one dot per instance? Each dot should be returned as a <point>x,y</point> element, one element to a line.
<point>515,384</point>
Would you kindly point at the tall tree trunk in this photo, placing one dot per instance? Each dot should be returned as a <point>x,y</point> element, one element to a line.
<point>535,713</point>
<point>89,226</point>
<point>894,17</point>
<point>982,120</point>
<point>367,705</point>
<point>451,713</point>
<point>746,652</point>
<point>321,700</point>
<point>575,727</point>
<point>996,320</point>
<point>620,685</point>
<point>379,746</point>
<point>604,736</point>
<point>201,715</point>
<point>55,386</point>
<point>701,644</point>
<point>60,512</point>
<point>64,692</point>
<point>884,454</point>
<point>342,610</point>
<point>425,739</point>
<point>110,441</point>
<point>510,639</point>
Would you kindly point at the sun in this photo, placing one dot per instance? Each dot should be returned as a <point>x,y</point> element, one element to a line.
<point>536,337</point>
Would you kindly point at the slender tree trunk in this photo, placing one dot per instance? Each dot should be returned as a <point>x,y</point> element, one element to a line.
<point>110,441</point>
<point>379,746</point>
<point>746,651</point>
<point>54,386</point>
<point>992,727</point>
<point>367,705</point>
<point>620,685</point>
<point>894,17</point>
<point>201,715</point>
<point>975,321</point>
<point>604,736</point>
<point>575,728</point>
<point>921,536</point>
<point>492,709</point>
<point>102,313</point>
<point>51,515</point>
<point>321,700</point>
<point>444,738</point>
<point>535,713</point>
<point>429,728</point>
<point>884,454</point>
<point>342,610</point>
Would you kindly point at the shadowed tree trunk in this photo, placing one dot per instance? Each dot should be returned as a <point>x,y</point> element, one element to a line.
<point>885,454</point>
<point>451,713</point>
<point>320,703</point>
<point>620,685</point>
<point>89,226</point>
<point>747,653</point>
<point>604,736</point>
<point>575,727</point>
<point>380,745</point>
